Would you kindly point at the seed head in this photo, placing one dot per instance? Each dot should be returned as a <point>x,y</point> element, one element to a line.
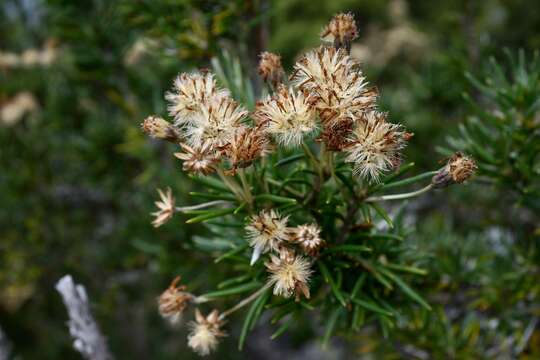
<point>247,145</point>
<point>376,147</point>
<point>338,86</point>
<point>190,92</point>
<point>341,31</point>
<point>289,274</point>
<point>308,237</point>
<point>198,159</point>
<point>458,169</point>
<point>215,123</point>
<point>270,68</point>
<point>159,128</point>
<point>166,208</point>
<point>288,116</point>
<point>173,301</point>
<point>205,333</point>
<point>265,232</point>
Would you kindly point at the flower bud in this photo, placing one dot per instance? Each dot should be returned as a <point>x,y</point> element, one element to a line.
<point>159,128</point>
<point>341,30</point>
<point>270,68</point>
<point>458,169</point>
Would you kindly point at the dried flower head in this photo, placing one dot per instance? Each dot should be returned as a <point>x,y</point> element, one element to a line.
<point>289,274</point>
<point>458,169</point>
<point>377,146</point>
<point>337,137</point>
<point>173,301</point>
<point>190,92</point>
<point>205,333</point>
<point>308,237</point>
<point>338,86</point>
<point>265,232</point>
<point>199,159</point>
<point>215,123</point>
<point>287,115</point>
<point>247,145</point>
<point>166,208</point>
<point>159,128</point>
<point>341,30</point>
<point>270,68</point>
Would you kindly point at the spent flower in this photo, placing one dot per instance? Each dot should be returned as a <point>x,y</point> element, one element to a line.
<point>160,128</point>
<point>341,30</point>
<point>198,159</point>
<point>205,332</point>
<point>457,170</point>
<point>376,146</point>
<point>289,274</point>
<point>266,231</point>
<point>288,116</point>
<point>308,237</point>
<point>173,301</point>
<point>270,68</point>
<point>166,208</point>
<point>190,92</point>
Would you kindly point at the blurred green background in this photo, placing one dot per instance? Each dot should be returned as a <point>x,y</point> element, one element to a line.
<point>78,177</point>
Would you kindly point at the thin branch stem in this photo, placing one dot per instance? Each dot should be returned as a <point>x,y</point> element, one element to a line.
<point>201,206</point>
<point>245,185</point>
<point>399,196</point>
<point>232,185</point>
<point>246,301</point>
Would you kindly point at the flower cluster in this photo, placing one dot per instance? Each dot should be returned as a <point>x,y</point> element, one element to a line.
<point>268,232</point>
<point>324,119</point>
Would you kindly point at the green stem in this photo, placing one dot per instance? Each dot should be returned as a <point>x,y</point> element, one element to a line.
<point>232,185</point>
<point>399,196</point>
<point>246,187</point>
<point>246,301</point>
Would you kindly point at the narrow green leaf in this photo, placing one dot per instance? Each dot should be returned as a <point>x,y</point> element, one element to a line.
<point>233,252</point>
<point>405,288</point>
<point>283,327</point>
<point>331,325</point>
<point>247,324</point>
<point>261,301</point>
<point>235,280</point>
<point>369,305</point>
<point>209,196</point>
<point>210,215</point>
<point>347,248</point>
<point>404,268</point>
<point>289,160</point>
<point>410,180</point>
<point>328,278</point>
<point>233,291</point>
<point>208,181</point>
<point>382,213</point>
<point>275,198</point>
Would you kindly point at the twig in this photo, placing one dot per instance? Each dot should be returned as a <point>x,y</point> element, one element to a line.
<point>82,326</point>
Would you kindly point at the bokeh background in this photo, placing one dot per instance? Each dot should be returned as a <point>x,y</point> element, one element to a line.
<point>78,177</point>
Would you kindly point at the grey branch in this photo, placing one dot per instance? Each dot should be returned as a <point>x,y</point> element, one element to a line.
<point>5,348</point>
<point>82,326</point>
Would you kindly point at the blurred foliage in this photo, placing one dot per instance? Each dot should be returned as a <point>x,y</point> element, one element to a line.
<point>77,176</point>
